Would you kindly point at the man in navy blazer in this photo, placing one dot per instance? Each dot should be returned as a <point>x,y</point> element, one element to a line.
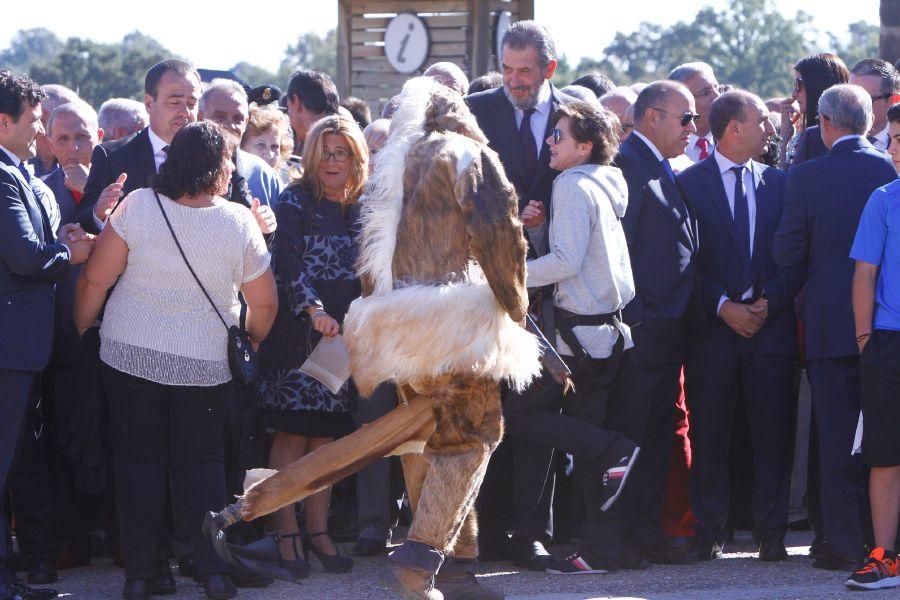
<point>747,340</point>
<point>517,119</point>
<point>823,203</point>
<point>661,245</point>
<point>31,262</point>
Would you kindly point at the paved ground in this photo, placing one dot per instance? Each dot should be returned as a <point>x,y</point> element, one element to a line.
<point>738,576</point>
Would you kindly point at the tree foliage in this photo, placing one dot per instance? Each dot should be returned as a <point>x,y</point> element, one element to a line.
<point>311,52</point>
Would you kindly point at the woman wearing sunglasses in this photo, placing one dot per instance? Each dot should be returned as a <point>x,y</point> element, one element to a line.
<point>588,266</point>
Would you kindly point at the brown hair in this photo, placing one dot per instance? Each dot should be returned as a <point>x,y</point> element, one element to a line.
<point>263,119</point>
<point>594,125</point>
<point>312,156</point>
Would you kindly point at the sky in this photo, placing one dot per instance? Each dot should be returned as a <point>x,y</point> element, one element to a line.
<point>265,37</point>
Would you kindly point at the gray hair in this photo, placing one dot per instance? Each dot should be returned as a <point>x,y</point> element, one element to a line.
<point>123,113</point>
<point>848,107</point>
<point>80,109</point>
<point>655,94</point>
<point>226,86</point>
<point>450,75</point>
<point>57,95</point>
<point>684,72</point>
<point>531,34</point>
<point>580,92</point>
<point>623,92</point>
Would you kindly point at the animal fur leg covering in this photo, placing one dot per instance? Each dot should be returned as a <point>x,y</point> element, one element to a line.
<point>468,426</point>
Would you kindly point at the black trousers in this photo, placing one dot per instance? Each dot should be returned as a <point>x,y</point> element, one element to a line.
<point>642,407</point>
<point>15,394</point>
<point>542,419</point>
<point>713,385</point>
<point>843,501</point>
<point>158,429</point>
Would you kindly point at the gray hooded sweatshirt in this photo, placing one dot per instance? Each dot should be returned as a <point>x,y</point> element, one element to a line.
<point>588,256</point>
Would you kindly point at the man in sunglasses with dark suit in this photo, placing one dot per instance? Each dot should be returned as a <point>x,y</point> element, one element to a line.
<point>661,244</point>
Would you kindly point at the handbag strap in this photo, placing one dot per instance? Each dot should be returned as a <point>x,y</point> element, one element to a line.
<point>190,268</point>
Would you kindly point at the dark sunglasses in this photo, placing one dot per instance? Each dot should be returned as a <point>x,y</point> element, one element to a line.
<point>798,84</point>
<point>686,117</point>
<point>557,137</point>
<point>881,97</point>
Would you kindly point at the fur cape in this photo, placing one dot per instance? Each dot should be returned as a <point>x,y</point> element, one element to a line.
<point>442,255</point>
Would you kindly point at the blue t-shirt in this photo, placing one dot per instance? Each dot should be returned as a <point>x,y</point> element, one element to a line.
<point>878,243</point>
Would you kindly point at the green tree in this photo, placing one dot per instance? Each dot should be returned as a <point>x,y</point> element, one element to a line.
<point>862,43</point>
<point>29,47</point>
<point>311,52</point>
<point>255,75</point>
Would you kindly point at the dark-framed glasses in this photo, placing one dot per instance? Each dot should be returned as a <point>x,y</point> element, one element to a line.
<point>686,117</point>
<point>340,155</point>
<point>557,136</point>
<point>798,84</point>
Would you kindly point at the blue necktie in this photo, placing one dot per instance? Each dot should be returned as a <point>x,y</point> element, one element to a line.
<point>667,169</point>
<point>25,172</point>
<point>742,223</point>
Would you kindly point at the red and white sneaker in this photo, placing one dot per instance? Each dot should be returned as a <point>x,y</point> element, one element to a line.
<point>574,564</point>
<point>615,476</point>
<point>879,572</point>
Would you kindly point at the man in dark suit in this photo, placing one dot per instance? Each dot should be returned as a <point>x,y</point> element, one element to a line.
<point>747,342</point>
<point>516,119</point>
<point>31,262</point>
<point>171,93</point>
<point>823,203</point>
<point>661,244</point>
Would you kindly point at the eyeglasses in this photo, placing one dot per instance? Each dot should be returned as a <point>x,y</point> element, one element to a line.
<point>626,127</point>
<point>557,137</point>
<point>340,155</point>
<point>686,117</point>
<point>709,91</point>
<point>881,97</point>
<point>798,84</point>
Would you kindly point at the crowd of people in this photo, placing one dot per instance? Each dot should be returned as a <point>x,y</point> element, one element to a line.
<point>694,251</point>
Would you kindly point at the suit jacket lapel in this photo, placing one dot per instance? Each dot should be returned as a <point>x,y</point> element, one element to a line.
<point>761,191</point>
<point>144,159</point>
<point>504,118</point>
<point>719,196</point>
<point>543,163</point>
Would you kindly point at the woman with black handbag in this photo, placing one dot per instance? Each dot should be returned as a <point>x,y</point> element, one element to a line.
<point>178,254</point>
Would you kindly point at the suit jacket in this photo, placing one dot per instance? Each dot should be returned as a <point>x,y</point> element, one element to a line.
<point>66,340</point>
<point>660,235</point>
<point>719,263</point>
<point>133,156</point>
<point>823,203</point>
<point>497,119</point>
<point>809,146</point>
<point>31,262</point>
<point>253,178</point>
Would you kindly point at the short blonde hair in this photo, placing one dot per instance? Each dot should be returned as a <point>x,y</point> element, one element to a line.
<point>313,150</point>
<point>263,119</point>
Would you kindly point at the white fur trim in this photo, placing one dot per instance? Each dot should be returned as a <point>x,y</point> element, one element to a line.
<point>382,205</point>
<point>464,149</point>
<point>423,331</point>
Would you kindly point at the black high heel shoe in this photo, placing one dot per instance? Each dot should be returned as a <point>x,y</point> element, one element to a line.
<point>299,567</point>
<point>333,563</point>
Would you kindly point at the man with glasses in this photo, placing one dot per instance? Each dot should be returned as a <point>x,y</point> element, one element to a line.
<point>823,203</point>
<point>882,81</point>
<point>699,78</point>
<point>661,244</point>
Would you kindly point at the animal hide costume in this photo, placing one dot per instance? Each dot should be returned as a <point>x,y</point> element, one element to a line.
<point>442,261</point>
<point>442,265</point>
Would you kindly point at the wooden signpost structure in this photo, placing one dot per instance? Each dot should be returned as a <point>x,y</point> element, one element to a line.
<point>381,43</point>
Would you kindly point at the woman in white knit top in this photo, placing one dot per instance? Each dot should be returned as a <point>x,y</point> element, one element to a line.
<point>163,348</point>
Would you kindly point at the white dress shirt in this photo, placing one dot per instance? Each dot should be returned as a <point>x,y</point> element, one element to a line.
<point>728,180</point>
<point>540,117</point>
<point>693,150</point>
<point>650,145</point>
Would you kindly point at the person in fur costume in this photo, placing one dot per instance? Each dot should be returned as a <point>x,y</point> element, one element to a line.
<point>442,265</point>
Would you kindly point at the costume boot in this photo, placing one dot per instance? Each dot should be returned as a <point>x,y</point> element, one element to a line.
<point>457,581</point>
<point>410,583</point>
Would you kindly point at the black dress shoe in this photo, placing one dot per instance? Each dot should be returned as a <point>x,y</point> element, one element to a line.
<point>42,574</point>
<point>163,583</point>
<point>19,591</point>
<point>219,587</point>
<point>772,551</point>
<point>137,589</point>
<point>186,566</point>
<point>532,556</point>
<point>663,554</point>
<point>832,562</point>
<point>703,551</point>
<point>369,547</point>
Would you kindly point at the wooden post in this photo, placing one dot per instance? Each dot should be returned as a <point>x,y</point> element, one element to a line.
<point>343,49</point>
<point>482,38</point>
<point>526,10</point>
<point>889,44</point>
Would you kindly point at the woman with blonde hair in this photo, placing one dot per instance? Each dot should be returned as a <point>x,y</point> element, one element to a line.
<point>313,260</point>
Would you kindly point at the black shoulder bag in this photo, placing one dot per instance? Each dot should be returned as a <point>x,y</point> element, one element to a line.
<point>242,357</point>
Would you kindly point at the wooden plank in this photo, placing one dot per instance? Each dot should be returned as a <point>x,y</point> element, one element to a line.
<point>364,51</point>
<point>343,54</point>
<point>433,22</point>
<point>450,49</point>
<point>510,6</point>
<point>422,6</point>
<point>395,80</point>
<point>456,34</point>
<point>372,65</point>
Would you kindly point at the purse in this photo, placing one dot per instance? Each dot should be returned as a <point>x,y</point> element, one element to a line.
<point>242,358</point>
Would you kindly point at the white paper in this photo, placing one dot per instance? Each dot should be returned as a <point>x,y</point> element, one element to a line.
<point>329,363</point>
<point>857,438</point>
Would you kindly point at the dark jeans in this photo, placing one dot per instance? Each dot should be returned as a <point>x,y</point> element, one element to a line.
<point>158,429</point>
<point>542,419</point>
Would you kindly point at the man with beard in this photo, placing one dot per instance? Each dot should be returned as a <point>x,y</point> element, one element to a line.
<point>515,118</point>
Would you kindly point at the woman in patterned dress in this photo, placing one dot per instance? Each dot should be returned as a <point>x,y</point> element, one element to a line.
<point>313,260</point>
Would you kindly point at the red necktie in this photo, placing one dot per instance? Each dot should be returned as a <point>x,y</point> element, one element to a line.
<point>703,143</point>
